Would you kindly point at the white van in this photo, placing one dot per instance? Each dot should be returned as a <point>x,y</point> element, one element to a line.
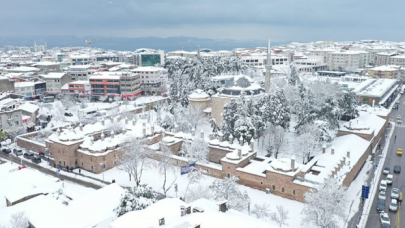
<point>88,112</point>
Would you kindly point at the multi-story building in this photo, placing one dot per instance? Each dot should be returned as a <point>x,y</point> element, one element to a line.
<point>55,81</point>
<point>260,59</point>
<point>398,60</point>
<point>48,66</point>
<point>383,72</point>
<point>10,115</point>
<point>340,61</point>
<point>80,88</point>
<point>311,64</point>
<point>383,58</point>
<point>105,83</point>
<point>107,57</point>
<point>325,53</point>
<point>40,87</point>
<point>149,57</point>
<point>130,85</point>
<point>6,85</point>
<point>26,89</point>
<point>185,54</point>
<point>80,59</point>
<point>80,72</point>
<point>151,77</point>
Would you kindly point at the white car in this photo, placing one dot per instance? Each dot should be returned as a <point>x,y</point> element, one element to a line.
<point>393,205</point>
<point>395,193</point>
<point>382,195</point>
<point>384,218</point>
<point>383,185</point>
<point>389,179</point>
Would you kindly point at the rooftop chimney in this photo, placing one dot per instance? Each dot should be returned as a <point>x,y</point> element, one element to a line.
<point>222,206</point>
<point>239,152</point>
<point>202,133</point>
<point>162,222</point>
<point>103,122</point>
<point>348,154</point>
<point>112,134</point>
<point>323,148</point>
<point>193,132</point>
<point>126,120</point>
<point>133,122</point>
<point>81,127</point>
<point>293,163</point>
<point>241,141</point>
<point>182,211</point>
<point>332,151</point>
<point>152,129</point>
<point>221,136</point>
<point>252,144</point>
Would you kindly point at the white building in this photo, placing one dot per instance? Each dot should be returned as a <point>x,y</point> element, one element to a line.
<point>81,59</point>
<point>55,81</point>
<point>25,89</point>
<point>80,72</point>
<point>151,77</point>
<point>340,61</point>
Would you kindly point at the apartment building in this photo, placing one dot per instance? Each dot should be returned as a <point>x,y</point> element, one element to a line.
<point>80,72</point>
<point>151,77</point>
<point>55,81</point>
<point>324,53</point>
<point>340,61</point>
<point>10,116</point>
<point>130,84</point>
<point>48,66</point>
<point>80,59</point>
<point>389,72</point>
<point>260,59</point>
<point>6,85</point>
<point>382,58</point>
<point>26,89</point>
<point>398,60</point>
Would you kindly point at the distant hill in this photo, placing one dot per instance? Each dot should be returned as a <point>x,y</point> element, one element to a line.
<point>130,44</point>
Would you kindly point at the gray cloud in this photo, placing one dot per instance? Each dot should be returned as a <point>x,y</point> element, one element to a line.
<point>254,19</point>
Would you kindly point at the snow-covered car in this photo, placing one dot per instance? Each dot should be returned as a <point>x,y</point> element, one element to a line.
<point>397,169</point>
<point>386,170</point>
<point>389,179</point>
<point>399,117</point>
<point>382,195</point>
<point>384,218</point>
<point>393,205</point>
<point>399,121</point>
<point>395,193</point>
<point>383,185</point>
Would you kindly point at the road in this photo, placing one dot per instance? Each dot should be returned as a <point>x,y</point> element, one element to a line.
<point>399,179</point>
<point>49,172</point>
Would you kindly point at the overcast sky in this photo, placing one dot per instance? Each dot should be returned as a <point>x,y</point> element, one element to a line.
<point>280,20</point>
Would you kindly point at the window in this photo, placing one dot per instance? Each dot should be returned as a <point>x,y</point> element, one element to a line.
<point>16,122</point>
<point>208,171</point>
<point>91,167</point>
<point>229,175</point>
<point>293,191</point>
<point>261,182</point>
<point>16,115</point>
<point>60,163</point>
<point>75,162</point>
<point>91,158</point>
<point>82,164</point>
<point>103,158</point>
<point>273,187</point>
<point>64,163</point>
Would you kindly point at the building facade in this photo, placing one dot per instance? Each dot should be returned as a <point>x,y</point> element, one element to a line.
<point>55,81</point>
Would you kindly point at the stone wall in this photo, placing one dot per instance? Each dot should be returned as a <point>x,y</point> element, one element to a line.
<point>215,154</point>
<point>356,168</point>
<point>30,145</point>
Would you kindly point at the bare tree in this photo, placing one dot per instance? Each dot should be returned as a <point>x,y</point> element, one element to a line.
<point>165,165</point>
<point>306,145</point>
<point>195,115</point>
<point>261,211</point>
<point>134,158</point>
<point>19,220</point>
<point>275,140</point>
<point>116,127</point>
<point>280,216</point>
<point>199,191</point>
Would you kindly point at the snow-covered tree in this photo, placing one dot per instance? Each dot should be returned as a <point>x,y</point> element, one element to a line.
<point>244,128</point>
<point>261,211</point>
<point>198,191</point>
<point>116,127</point>
<point>293,77</point>
<point>165,165</point>
<point>305,107</point>
<point>194,177</point>
<point>136,198</point>
<point>229,117</point>
<point>326,205</point>
<point>195,115</point>
<point>329,111</point>
<point>227,189</point>
<point>19,220</point>
<point>280,216</point>
<point>67,100</point>
<point>348,104</point>
<point>307,144</point>
<point>214,127</point>
<point>167,123</point>
<point>197,150</point>
<point>134,158</point>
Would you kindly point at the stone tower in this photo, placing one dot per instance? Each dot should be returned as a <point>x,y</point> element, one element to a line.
<point>268,69</point>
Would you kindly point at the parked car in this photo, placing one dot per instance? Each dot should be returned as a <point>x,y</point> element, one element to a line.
<point>6,150</point>
<point>399,151</point>
<point>389,179</point>
<point>395,193</point>
<point>28,155</point>
<point>382,195</point>
<point>386,170</point>
<point>68,114</point>
<point>198,210</point>
<point>399,121</point>
<point>394,107</point>
<point>383,185</point>
<point>393,205</point>
<point>384,218</point>
<point>36,159</point>
<point>380,205</point>
<point>397,169</point>
<point>17,152</point>
<point>399,117</point>
<point>385,225</point>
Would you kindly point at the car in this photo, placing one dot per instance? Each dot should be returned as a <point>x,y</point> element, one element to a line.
<point>397,169</point>
<point>68,114</point>
<point>380,205</point>
<point>383,185</point>
<point>395,193</point>
<point>384,218</point>
<point>6,150</point>
<point>399,151</point>
<point>399,117</point>
<point>28,155</point>
<point>198,210</point>
<point>393,205</point>
<point>382,195</point>
<point>386,170</point>
<point>385,225</point>
<point>17,152</point>
<point>394,107</point>
<point>36,159</point>
<point>397,102</point>
<point>389,179</point>
<point>399,121</point>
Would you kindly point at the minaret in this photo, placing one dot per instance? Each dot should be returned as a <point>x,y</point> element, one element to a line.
<point>268,70</point>
<point>198,52</point>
